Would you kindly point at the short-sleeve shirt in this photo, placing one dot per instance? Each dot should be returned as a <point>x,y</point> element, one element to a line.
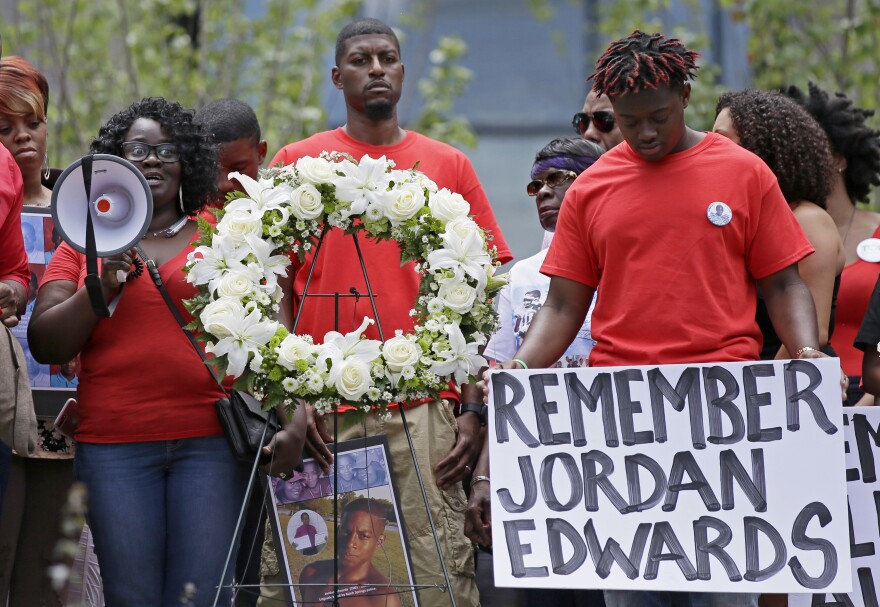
<point>675,287</point>
<point>869,333</point>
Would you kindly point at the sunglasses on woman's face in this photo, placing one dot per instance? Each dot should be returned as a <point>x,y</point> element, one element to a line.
<point>603,120</point>
<point>553,180</point>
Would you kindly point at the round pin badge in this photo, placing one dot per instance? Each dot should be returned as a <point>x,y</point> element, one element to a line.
<point>719,214</point>
<point>869,250</point>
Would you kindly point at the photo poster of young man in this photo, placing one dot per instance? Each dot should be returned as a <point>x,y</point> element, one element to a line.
<point>372,558</point>
<point>52,384</point>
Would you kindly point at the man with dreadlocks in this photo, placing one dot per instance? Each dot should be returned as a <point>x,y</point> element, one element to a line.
<point>674,227</point>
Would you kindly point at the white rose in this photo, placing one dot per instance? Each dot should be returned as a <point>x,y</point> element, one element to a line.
<point>408,199</point>
<point>400,352</point>
<point>235,284</point>
<point>305,202</point>
<point>426,182</point>
<point>241,223</point>
<point>462,226</point>
<point>292,349</point>
<point>353,379</point>
<point>457,295</point>
<point>218,315</point>
<point>315,170</point>
<point>446,205</point>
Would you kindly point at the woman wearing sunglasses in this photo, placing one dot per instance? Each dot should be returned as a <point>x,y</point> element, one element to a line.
<point>164,487</point>
<point>796,149</point>
<point>596,122</point>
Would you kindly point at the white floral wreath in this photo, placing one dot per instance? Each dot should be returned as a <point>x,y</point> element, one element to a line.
<point>236,266</point>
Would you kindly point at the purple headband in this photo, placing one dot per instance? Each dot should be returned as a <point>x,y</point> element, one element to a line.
<point>578,164</point>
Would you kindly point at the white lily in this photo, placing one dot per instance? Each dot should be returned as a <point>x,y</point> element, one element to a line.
<point>462,255</point>
<point>209,263</point>
<point>245,337</point>
<point>461,359</point>
<point>269,266</point>
<point>362,185</point>
<point>337,347</point>
<point>263,195</point>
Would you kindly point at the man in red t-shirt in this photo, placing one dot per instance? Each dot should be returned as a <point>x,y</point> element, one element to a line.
<point>673,227</point>
<point>370,74</point>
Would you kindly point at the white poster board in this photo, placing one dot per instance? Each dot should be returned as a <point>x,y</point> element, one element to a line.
<point>862,435</point>
<point>706,477</point>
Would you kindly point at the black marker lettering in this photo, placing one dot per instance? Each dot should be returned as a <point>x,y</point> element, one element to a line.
<point>579,395</point>
<point>793,396</point>
<point>595,479</point>
<point>612,553</point>
<point>754,401</point>
<point>634,485</point>
<point>753,572</point>
<point>530,489</point>
<point>576,487</point>
<point>556,528</point>
<point>800,540</point>
<point>686,389</point>
<point>629,407</point>
<point>505,411</point>
<point>545,408</point>
<point>682,462</point>
<point>755,487</point>
<point>706,548</point>
<point>665,536</point>
<point>516,550</point>
<point>718,403</point>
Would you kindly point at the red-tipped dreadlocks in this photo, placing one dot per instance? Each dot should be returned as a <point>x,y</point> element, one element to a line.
<point>643,61</point>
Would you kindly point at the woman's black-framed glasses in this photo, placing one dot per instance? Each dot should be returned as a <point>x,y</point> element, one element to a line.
<point>553,180</point>
<point>138,151</point>
<point>603,120</point>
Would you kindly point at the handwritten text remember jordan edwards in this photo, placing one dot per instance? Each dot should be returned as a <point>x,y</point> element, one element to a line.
<point>724,477</point>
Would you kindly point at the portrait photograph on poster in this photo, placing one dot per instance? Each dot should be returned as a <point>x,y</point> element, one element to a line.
<point>54,384</point>
<point>371,555</point>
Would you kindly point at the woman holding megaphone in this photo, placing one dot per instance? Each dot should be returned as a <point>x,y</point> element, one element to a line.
<point>164,488</point>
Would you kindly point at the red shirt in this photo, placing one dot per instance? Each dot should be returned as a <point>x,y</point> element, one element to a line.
<point>856,285</point>
<point>13,258</point>
<point>141,379</point>
<point>673,287</point>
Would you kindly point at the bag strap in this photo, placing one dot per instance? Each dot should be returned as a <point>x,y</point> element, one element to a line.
<point>157,280</point>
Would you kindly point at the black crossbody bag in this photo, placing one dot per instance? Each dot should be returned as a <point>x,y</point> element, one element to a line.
<point>246,426</point>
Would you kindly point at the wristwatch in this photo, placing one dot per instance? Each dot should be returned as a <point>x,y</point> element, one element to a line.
<point>478,408</point>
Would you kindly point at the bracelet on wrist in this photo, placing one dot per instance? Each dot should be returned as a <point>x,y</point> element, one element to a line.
<point>475,407</point>
<point>805,349</point>
<point>521,363</point>
<point>479,479</point>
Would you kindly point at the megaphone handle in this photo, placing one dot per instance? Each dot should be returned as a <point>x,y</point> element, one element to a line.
<point>93,280</point>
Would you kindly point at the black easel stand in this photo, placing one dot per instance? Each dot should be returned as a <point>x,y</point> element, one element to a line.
<point>353,292</point>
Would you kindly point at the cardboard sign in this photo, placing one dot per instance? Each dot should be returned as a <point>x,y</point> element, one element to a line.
<point>705,478</point>
<point>862,434</point>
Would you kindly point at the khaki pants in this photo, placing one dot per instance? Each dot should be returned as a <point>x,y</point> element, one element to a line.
<point>433,429</point>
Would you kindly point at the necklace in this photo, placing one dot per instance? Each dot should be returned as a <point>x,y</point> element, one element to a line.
<point>171,230</point>
<point>849,225</point>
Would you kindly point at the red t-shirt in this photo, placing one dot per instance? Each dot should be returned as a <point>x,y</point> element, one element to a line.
<point>337,268</point>
<point>141,379</point>
<point>13,258</point>
<point>674,287</point>
<point>856,285</point>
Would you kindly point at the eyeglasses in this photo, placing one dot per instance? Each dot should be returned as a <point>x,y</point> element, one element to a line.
<point>138,151</point>
<point>553,180</point>
<point>603,120</point>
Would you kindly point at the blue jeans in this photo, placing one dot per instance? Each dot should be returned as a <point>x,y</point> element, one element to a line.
<point>632,598</point>
<point>163,515</point>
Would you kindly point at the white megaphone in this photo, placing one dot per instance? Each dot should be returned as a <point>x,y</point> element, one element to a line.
<point>119,201</point>
<point>102,206</point>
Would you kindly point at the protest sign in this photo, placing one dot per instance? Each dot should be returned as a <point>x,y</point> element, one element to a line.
<point>707,477</point>
<point>862,439</point>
